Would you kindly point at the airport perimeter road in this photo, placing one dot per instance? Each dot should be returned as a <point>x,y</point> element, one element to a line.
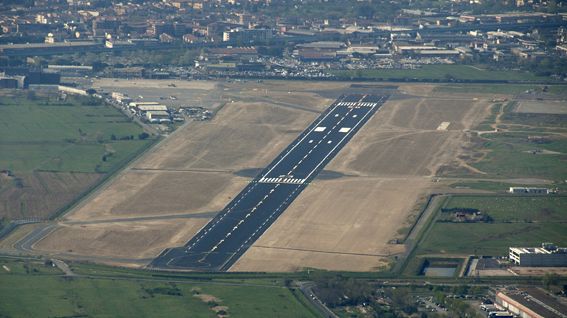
<point>223,240</point>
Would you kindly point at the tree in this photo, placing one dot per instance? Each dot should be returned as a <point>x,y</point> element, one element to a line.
<point>550,279</point>
<point>143,136</point>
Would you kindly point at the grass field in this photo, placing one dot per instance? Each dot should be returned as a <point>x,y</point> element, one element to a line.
<point>56,150</point>
<point>499,88</point>
<point>47,134</point>
<point>439,72</point>
<point>501,187</point>
<point>525,145</point>
<point>511,155</point>
<point>43,294</point>
<point>517,221</point>
<point>487,123</point>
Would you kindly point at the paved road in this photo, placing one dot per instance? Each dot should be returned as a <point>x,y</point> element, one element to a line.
<point>223,240</point>
<point>63,267</point>
<point>26,244</point>
<point>307,290</point>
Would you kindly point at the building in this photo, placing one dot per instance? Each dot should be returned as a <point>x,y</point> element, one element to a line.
<point>44,78</point>
<point>12,81</point>
<point>71,70</point>
<point>548,255</point>
<point>158,116</point>
<point>34,49</point>
<point>529,190</point>
<point>152,108</point>
<point>138,104</point>
<point>531,303</point>
<point>128,72</point>
<point>120,97</point>
<point>102,26</point>
<point>158,28</point>
<point>246,36</point>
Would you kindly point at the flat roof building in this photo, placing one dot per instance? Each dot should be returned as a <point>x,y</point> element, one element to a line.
<point>529,190</point>
<point>548,255</point>
<point>152,108</point>
<point>531,303</point>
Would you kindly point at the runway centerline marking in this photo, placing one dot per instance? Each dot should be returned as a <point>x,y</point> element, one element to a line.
<point>224,239</point>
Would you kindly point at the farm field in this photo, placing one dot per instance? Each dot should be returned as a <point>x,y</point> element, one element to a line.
<point>53,295</point>
<point>54,150</point>
<point>517,221</point>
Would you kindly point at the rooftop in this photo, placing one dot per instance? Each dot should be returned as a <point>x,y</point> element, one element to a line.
<point>538,301</point>
<point>546,248</point>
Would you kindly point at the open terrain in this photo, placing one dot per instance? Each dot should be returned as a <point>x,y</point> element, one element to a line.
<point>347,223</point>
<point>180,184</point>
<point>523,139</point>
<point>338,222</point>
<point>440,72</point>
<point>55,295</point>
<point>54,150</point>
<point>517,221</point>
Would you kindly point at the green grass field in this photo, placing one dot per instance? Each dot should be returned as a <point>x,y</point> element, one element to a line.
<point>439,72</point>
<point>499,88</point>
<point>518,221</point>
<point>502,187</point>
<point>46,134</point>
<point>43,294</point>
<point>510,155</point>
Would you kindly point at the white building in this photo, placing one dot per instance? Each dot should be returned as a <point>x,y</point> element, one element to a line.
<point>247,35</point>
<point>527,190</point>
<point>548,255</point>
<point>158,116</point>
<point>147,108</point>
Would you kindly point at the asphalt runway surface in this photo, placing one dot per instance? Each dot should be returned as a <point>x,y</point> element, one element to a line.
<point>219,244</point>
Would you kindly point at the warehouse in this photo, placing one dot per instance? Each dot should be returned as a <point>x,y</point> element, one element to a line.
<point>529,190</point>
<point>548,255</point>
<point>158,116</point>
<point>530,303</point>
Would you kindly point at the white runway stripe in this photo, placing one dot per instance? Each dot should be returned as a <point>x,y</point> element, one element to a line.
<point>282,180</point>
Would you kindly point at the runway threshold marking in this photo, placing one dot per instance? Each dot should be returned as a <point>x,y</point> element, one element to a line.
<point>288,179</point>
<point>340,142</point>
<point>334,106</point>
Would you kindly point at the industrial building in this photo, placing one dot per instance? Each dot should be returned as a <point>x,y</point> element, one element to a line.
<point>158,116</point>
<point>529,190</point>
<point>531,303</point>
<point>548,255</point>
<point>12,81</point>
<point>247,36</point>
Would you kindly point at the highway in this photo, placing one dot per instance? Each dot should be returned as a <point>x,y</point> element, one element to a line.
<point>218,245</point>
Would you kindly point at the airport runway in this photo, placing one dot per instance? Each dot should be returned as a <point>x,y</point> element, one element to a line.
<point>218,245</point>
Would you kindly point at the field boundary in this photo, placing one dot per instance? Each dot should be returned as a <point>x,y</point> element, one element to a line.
<point>109,176</point>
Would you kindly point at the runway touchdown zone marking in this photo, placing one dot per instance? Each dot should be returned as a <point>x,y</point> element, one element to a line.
<point>215,252</point>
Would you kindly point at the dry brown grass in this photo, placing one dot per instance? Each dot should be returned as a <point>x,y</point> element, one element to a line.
<point>340,224</point>
<point>121,239</point>
<point>39,194</point>
<point>346,224</point>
